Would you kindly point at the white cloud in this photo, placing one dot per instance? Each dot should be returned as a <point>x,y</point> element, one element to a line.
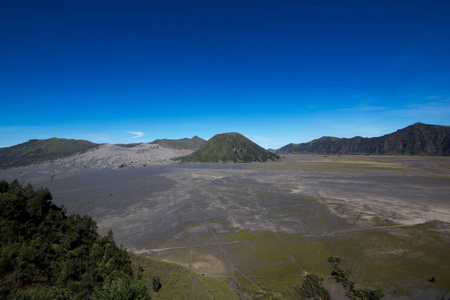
<point>137,134</point>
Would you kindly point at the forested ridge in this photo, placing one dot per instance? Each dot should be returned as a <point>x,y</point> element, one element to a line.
<point>47,254</point>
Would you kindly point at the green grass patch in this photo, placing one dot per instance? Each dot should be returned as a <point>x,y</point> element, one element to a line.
<point>272,287</point>
<point>178,282</point>
<point>399,259</point>
<point>311,254</point>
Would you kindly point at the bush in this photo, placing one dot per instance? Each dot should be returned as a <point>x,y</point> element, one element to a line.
<point>44,250</point>
<point>312,289</point>
<point>156,283</point>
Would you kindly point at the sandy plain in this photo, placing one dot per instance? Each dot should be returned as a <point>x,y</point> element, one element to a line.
<point>261,226</point>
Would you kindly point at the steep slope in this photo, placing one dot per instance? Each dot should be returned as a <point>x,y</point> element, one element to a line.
<point>35,151</point>
<point>416,139</point>
<point>230,147</point>
<point>193,144</point>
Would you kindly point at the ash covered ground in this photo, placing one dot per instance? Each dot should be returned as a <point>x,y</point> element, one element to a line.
<point>260,226</point>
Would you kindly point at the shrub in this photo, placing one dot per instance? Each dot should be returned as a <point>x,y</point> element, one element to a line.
<point>156,283</point>
<point>44,250</point>
<point>312,289</point>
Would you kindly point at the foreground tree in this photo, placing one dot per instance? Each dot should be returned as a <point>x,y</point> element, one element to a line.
<point>312,289</point>
<point>46,254</point>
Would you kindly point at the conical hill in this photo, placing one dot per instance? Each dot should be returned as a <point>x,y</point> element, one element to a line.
<point>230,147</point>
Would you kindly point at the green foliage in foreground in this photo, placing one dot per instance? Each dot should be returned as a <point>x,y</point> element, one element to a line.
<point>46,254</point>
<point>312,289</point>
<point>353,293</point>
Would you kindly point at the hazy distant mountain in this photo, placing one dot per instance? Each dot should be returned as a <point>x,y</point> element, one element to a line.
<point>230,147</point>
<point>35,151</point>
<point>417,139</point>
<point>192,144</point>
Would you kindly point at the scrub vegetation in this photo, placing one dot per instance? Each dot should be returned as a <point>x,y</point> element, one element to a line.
<point>46,254</point>
<point>342,276</point>
<point>312,289</point>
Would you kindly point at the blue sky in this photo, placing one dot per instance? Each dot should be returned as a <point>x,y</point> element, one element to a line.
<point>275,71</point>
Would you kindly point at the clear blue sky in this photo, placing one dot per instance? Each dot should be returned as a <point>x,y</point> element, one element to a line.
<point>275,71</point>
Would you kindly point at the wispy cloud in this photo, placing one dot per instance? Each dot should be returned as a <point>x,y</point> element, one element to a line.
<point>137,134</point>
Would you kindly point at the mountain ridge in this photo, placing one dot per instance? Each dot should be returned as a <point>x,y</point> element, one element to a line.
<point>35,151</point>
<point>193,143</point>
<point>416,139</point>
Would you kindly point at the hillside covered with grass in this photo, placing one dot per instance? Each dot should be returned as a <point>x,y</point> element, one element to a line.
<point>230,147</point>
<point>36,151</point>
<point>178,282</point>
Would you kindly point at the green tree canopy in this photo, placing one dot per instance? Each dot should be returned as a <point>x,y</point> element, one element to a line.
<point>45,253</point>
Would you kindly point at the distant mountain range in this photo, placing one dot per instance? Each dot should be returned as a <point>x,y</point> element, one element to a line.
<point>230,147</point>
<point>38,151</point>
<point>417,139</point>
<point>192,144</point>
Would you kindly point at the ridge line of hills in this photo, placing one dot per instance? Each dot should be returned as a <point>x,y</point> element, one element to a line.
<point>416,139</point>
<point>38,151</point>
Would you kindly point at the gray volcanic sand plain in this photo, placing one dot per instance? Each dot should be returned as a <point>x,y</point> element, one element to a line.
<point>261,226</point>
